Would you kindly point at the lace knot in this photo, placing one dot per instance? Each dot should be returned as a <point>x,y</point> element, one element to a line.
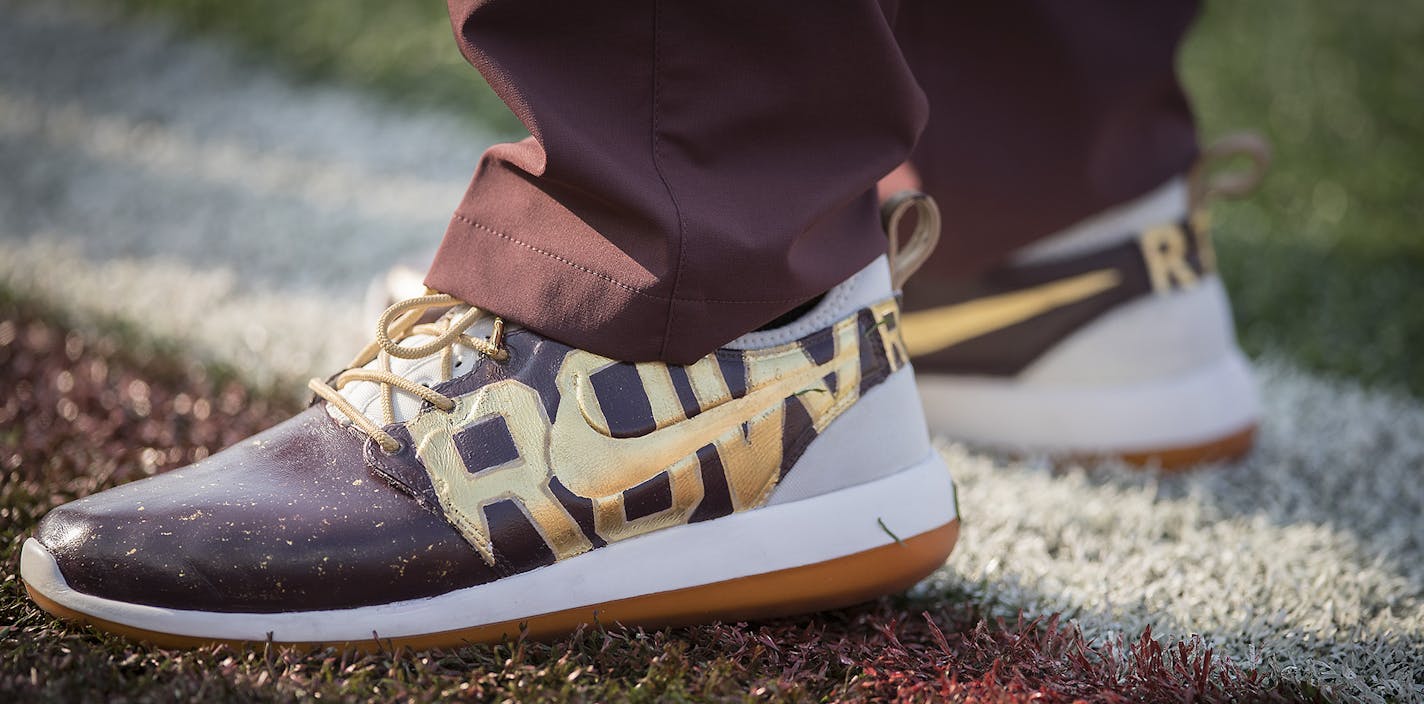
<point>400,322</point>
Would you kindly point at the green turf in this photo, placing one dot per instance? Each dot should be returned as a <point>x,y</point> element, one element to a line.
<point>1326,263</point>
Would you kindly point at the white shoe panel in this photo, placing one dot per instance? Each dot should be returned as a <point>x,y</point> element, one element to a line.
<point>1150,338</point>
<point>366,395</point>
<point>879,435</point>
<point>1179,410</point>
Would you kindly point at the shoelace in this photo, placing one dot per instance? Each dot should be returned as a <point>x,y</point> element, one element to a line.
<point>1208,180</point>
<point>397,323</point>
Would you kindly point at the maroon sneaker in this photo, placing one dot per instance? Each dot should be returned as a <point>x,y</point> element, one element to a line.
<point>1112,338</point>
<point>464,480</point>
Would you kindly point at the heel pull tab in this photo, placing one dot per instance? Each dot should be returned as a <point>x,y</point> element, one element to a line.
<point>1204,188</point>
<point>904,262</point>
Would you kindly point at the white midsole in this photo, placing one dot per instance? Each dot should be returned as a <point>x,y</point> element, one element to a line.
<point>1208,403</point>
<point>913,501</point>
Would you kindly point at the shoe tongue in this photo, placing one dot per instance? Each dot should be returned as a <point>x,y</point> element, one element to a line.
<point>366,395</point>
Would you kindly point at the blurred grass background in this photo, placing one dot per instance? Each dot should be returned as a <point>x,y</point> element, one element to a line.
<point>1325,263</point>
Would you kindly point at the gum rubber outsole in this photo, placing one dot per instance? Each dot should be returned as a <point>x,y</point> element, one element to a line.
<point>1186,458</point>
<point>832,584</point>
<point>1177,459</point>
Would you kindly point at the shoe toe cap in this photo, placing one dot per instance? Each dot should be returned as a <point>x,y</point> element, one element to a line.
<point>292,520</point>
<point>102,547</point>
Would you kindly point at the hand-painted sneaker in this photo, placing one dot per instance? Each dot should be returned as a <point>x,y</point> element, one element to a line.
<point>463,479</point>
<point>1113,338</point>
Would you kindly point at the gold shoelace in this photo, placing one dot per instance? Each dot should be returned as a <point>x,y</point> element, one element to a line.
<point>906,259</point>
<point>397,323</point>
<point>1208,178</point>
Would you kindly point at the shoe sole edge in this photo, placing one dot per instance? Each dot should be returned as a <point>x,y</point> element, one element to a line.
<point>737,567</point>
<point>833,584</point>
<point>1232,446</point>
<point>1208,414</point>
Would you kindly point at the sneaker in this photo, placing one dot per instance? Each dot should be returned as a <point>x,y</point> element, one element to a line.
<point>1113,338</point>
<point>464,481</point>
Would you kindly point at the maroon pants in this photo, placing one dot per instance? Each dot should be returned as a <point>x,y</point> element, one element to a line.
<point>696,169</point>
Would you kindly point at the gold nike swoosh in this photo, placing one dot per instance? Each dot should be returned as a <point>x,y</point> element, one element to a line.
<point>592,464</point>
<point>569,453</point>
<point>929,331</point>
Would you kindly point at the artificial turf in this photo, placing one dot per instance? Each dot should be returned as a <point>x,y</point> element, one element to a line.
<point>1324,266</point>
<point>83,413</point>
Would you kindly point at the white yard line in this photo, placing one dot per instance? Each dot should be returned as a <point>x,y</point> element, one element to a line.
<point>1306,556</point>
<point>171,186</point>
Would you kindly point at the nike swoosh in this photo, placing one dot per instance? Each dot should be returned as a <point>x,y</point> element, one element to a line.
<point>929,331</point>
<point>594,465</point>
